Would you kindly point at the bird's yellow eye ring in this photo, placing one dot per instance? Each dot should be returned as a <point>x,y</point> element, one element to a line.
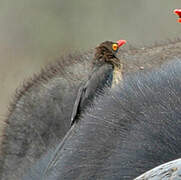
<point>115,47</point>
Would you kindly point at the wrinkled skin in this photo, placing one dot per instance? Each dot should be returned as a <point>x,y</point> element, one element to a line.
<point>130,130</point>
<point>40,115</point>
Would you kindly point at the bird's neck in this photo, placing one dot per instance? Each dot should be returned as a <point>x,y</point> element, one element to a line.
<point>117,69</point>
<point>117,74</point>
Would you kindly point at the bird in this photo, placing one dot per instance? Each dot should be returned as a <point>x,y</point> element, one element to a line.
<point>178,13</point>
<point>106,70</point>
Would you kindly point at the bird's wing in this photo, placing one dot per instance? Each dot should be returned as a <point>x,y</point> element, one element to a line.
<point>98,79</point>
<point>77,103</point>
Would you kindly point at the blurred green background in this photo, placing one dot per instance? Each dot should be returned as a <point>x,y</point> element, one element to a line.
<point>35,32</point>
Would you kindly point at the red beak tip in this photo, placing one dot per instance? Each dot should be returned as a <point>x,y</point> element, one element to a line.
<point>179,20</point>
<point>121,42</point>
<point>177,12</point>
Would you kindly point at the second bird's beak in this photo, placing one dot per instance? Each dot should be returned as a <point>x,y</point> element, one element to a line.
<point>178,13</point>
<point>121,42</point>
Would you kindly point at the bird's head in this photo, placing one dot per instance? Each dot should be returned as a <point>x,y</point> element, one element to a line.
<point>107,50</point>
<point>111,47</point>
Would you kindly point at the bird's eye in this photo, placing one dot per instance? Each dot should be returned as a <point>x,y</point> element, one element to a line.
<point>114,47</point>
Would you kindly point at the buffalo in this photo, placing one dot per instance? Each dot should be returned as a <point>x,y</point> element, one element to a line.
<point>127,131</point>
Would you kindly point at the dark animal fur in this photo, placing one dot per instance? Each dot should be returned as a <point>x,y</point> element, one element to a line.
<point>127,132</point>
<point>40,113</point>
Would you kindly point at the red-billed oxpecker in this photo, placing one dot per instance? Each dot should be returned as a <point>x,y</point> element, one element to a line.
<point>106,71</point>
<point>178,13</point>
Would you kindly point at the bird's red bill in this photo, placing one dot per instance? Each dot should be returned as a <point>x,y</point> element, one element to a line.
<point>121,42</point>
<point>178,13</point>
